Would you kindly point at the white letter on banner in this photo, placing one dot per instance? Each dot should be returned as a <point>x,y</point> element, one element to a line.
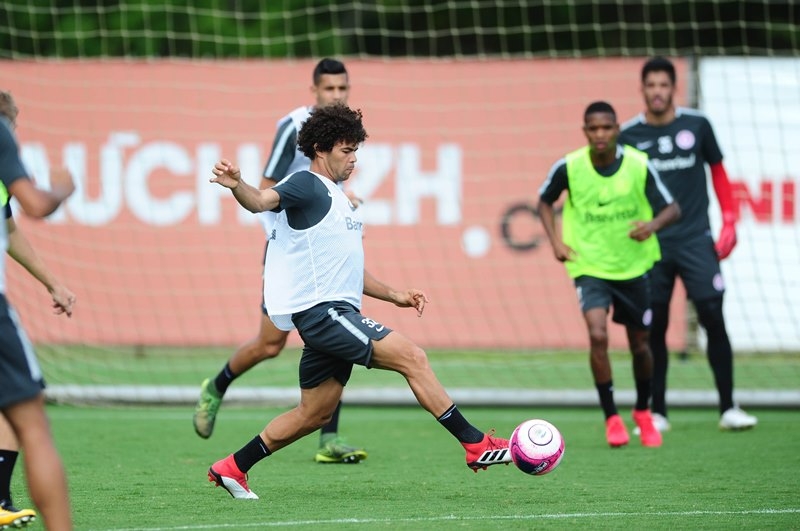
<point>107,206</point>
<point>373,166</point>
<point>154,211</point>
<point>412,184</point>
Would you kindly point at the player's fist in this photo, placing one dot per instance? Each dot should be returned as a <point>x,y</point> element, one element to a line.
<point>726,241</point>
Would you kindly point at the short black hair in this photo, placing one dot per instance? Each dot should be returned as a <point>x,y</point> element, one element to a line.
<point>329,125</point>
<point>328,66</point>
<point>599,107</point>
<point>659,64</point>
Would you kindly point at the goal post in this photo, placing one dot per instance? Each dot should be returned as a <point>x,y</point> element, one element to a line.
<point>467,105</point>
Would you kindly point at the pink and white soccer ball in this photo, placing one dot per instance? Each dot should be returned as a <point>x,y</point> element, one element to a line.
<point>537,447</point>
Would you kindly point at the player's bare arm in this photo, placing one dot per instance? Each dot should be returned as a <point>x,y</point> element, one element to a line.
<point>561,251</point>
<point>643,230</point>
<point>229,175</point>
<point>40,203</point>
<point>410,298</point>
<point>20,249</point>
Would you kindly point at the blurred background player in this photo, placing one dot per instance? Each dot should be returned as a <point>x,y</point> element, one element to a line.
<point>318,224</point>
<point>331,85</point>
<point>25,424</point>
<point>680,142</point>
<point>608,245</point>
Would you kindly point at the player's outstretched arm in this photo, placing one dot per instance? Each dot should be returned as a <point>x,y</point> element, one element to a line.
<point>20,249</point>
<point>410,298</point>
<point>229,175</point>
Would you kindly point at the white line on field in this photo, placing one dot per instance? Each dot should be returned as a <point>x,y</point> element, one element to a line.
<point>454,518</point>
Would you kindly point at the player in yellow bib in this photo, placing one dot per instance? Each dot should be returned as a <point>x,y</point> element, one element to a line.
<point>608,245</point>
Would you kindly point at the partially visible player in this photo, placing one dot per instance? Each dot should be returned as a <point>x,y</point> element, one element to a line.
<point>331,85</point>
<point>25,422</point>
<point>616,203</point>
<point>681,143</point>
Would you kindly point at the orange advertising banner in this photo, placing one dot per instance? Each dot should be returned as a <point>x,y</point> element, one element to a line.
<point>449,176</point>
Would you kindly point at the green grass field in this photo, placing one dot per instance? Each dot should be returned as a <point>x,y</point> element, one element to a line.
<point>145,469</point>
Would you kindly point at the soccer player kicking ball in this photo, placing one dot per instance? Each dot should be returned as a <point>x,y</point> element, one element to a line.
<point>331,84</point>
<point>317,224</point>
<point>608,245</point>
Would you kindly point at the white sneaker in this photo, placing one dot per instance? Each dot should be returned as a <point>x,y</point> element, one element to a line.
<point>659,421</point>
<point>736,419</point>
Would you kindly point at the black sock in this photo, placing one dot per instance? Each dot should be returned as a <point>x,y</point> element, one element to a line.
<point>251,453</point>
<point>642,394</point>
<point>658,346</point>
<point>224,379</point>
<point>8,459</point>
<point>330,430</point>
<point>333,425</point>
<point>455,423</point>
<point>606,393</point>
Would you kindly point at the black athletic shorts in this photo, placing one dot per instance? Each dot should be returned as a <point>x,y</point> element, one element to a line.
<point>695,261</point>
<point>335,336</point>
<point>630,299</point>
<point>20,376</point>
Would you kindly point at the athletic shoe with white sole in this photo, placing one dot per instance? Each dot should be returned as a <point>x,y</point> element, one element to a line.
<point>224,473</point>
<point>490,451</point>
<point>11,517</point>
<point>736,419</point>
<point>338,451</point>
<point>659,421</point>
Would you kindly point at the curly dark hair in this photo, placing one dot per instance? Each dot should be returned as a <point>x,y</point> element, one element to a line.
<point>7,106</point>
<point>329,125</point>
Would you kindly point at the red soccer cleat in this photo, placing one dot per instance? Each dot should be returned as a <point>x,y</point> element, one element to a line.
<point>490,451</point>
<point>616,433</point>
<point>648,432</point>
<point>224,473</point>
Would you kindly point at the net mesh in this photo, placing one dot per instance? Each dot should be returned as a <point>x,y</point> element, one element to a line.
<point>467,103</point>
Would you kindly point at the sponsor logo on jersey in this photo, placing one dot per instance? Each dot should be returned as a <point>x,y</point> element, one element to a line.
<point>353,224</point>
<point>644,145</point>
<point>629,213</point>
<point>675,163</point>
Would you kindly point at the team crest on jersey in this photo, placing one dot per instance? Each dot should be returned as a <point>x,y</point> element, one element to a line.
<point>685,139</point>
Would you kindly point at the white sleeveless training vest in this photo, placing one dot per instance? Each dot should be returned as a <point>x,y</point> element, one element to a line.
<point>322,263</point>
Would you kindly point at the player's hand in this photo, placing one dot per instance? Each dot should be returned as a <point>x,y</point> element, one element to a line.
<point>226,174</point>
<point>563,252</point>
<point>61,182</point>
<point>411,298</point>
<point>726,241</point>
<point>354,199</point>
<point>63,300</point>
<point>641,230</point>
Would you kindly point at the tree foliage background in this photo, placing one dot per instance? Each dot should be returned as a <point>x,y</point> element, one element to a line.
<point>395,28</point>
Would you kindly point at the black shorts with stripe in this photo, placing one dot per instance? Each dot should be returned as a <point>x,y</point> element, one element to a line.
<point>336,336</point>
<point>20,376</point>
<point>630,299</point>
